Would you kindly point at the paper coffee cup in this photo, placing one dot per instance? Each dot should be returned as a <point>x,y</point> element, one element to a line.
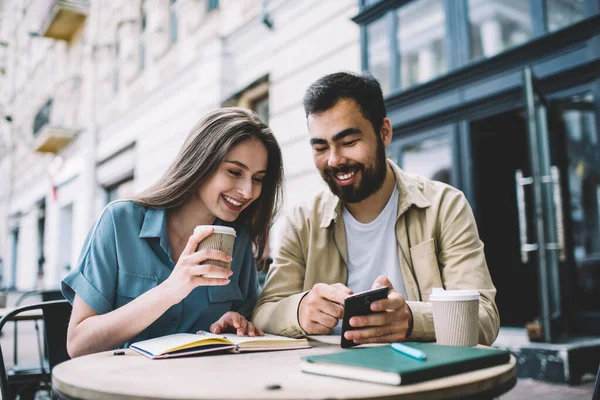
<point>456,316</point>
<point>222,238</point>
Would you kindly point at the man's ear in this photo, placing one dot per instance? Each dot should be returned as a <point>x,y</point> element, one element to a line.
<point>386,132</point>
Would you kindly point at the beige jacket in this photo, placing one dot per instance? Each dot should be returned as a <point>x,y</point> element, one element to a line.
<point>438,246</point>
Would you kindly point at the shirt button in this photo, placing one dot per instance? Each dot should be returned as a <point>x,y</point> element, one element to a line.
<point>174,322</point>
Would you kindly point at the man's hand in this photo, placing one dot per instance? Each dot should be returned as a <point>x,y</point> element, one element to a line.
<point>389,323</point>
<point>321,309</point>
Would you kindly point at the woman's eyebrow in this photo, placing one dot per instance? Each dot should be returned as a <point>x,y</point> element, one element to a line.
<point>244,166</point>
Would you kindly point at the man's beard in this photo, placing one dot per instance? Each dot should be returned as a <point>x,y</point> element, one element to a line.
<point>371,179</point>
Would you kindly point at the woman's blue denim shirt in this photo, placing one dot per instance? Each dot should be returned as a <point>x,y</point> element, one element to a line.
<point>127,252</point>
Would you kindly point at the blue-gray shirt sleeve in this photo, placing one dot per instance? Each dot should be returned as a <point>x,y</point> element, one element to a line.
<point>94,279</point>
<point>250,290</point>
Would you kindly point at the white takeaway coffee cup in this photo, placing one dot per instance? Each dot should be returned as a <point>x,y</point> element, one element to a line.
<point>455,316</point>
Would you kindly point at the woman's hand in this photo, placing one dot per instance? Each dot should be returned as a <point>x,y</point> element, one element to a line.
<point>188,274</point>
<point>235,323</point>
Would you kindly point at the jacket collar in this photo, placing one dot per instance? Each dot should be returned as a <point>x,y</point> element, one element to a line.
<point>409,189</point>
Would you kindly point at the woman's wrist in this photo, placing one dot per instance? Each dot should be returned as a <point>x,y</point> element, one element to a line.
<point>170,294</point>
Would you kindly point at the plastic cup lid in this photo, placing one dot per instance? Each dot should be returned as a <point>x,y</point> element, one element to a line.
<point>439,294</point>
<point>227,230</point>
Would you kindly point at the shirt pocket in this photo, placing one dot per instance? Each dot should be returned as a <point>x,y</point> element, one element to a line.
<point>224,294</point>
<point>131,286</point>
<point>425,264</point>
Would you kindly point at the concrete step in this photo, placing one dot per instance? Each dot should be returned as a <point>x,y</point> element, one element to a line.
<point>567,362</point>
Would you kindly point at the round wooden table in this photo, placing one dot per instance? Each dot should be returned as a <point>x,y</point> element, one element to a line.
<point>264,375</point>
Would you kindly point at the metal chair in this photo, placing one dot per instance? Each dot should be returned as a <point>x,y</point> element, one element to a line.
<point>56,316</point>
<point>44,295</point>
<point>596,395</point>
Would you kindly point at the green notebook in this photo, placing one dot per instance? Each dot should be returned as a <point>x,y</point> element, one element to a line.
<point>384,365</point>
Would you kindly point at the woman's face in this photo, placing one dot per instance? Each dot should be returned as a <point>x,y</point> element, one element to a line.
<point>237,182</point>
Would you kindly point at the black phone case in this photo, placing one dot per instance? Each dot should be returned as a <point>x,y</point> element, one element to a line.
<point>357,305</point>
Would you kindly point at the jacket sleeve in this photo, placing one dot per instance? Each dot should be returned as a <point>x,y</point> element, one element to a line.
<point>462,264</point>
<point>276,311</point>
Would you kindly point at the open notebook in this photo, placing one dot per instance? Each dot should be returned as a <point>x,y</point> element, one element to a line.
<point>183,344</point>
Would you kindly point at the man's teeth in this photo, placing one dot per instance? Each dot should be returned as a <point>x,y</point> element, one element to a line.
<point>345,177</point>
<point>232,201</point>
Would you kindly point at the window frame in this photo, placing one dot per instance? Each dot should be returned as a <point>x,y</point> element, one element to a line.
<point>458,36</point>
<point>397,148</point>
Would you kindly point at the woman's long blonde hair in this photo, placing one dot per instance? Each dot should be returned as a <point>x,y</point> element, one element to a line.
<point>203,152</point>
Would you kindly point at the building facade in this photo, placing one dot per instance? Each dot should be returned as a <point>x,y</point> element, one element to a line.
<point>500,98</point>
<point>97,97</point>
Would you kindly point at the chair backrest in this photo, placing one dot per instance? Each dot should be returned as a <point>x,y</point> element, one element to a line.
<point>56,322</point>
<point>51,295</point>
<point>36,295</point>
<point>56,316</point>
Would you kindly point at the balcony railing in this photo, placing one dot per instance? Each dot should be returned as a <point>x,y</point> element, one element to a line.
<point>64,18</point>
<point>56,123</point>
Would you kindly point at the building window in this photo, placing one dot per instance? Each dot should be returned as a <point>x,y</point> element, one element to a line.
<point>42,118</point>
<point>429,157</point>
<point>562,13</point>
<point>497,25</point>
<point>255,97</point>
<point>421,38</point>
<point>120,190</point>
<point>212,5</point>
<point>116,74</point>
<point>14,258</point>
<point>408,46</point>
<point>378,60</point>
<point>41,259</point>
<point>143,23</point>
<point>173,23</point>
<point>261,106</point>
<point>368,3</point>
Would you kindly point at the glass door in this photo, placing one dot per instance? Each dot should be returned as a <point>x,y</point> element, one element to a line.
<point>576,148</point>
<point>540,214</point>
<point>562,229</point>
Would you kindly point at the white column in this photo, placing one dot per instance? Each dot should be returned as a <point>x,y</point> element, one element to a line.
<point>426,64</point>
<point>88,139</point>
<point>491,37</point>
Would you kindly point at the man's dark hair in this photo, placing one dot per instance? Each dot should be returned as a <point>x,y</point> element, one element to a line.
<point>363,88</point>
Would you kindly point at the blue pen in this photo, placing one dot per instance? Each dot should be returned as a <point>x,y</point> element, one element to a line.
<point>409,351</point>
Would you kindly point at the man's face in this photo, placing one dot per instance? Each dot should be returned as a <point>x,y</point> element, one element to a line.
<point>347,152</point>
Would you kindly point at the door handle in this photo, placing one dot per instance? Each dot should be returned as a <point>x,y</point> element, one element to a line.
<point>558,206</point>
<point>526,247</point>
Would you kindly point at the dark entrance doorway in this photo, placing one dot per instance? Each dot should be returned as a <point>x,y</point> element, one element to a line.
<point>499,148</point>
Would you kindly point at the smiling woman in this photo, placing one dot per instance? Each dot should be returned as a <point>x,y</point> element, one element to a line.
<point>141,275</point>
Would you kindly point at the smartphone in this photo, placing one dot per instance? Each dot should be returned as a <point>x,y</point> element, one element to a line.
<point>359,304</point>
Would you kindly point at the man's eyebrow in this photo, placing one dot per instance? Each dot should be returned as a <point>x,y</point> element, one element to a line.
<point>244,166</point>
<point>337,137</point>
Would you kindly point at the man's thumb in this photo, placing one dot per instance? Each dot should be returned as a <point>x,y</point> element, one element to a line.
<point>382,281</point>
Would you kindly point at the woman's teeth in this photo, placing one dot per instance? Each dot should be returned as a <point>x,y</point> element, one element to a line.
<point>232,201</point>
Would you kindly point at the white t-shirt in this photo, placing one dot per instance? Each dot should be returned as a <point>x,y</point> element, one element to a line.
<point>373,250</point>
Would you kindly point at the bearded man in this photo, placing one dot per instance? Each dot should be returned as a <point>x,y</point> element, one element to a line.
<point>375,226</point>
